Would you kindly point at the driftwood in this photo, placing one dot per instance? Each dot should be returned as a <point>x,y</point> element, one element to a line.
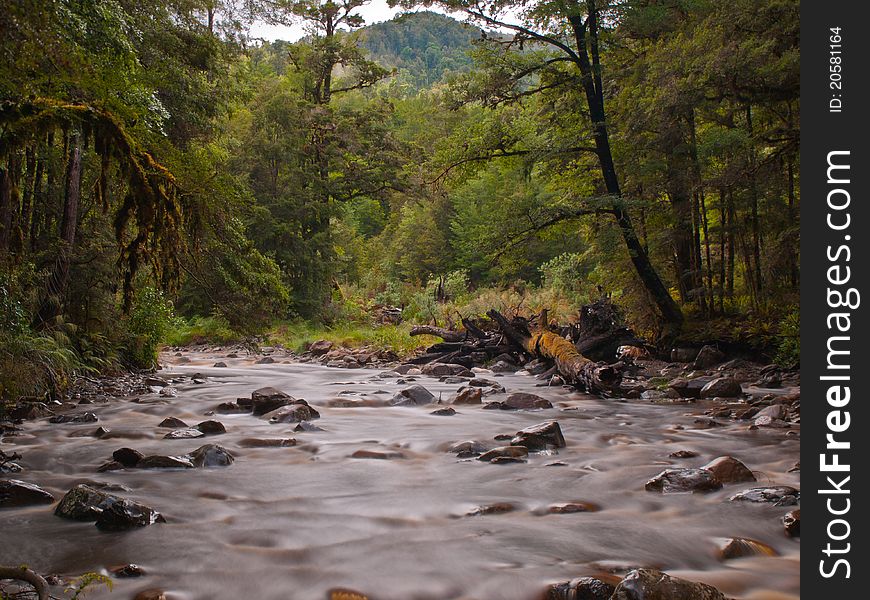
<point>575,368</point>
<point>445,334</point>
<point>40,585</point>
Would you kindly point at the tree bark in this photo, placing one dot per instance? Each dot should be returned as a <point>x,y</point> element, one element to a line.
<point>40,586</point>
<point>445,334</point>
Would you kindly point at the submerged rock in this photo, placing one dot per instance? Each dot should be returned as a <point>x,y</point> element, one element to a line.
<point>184,434</point>
<point>792,523</point>
<point>540,437</point>
<point>294,413</point>
<point>127,456</point>
<point>377,454</point>
<point>173,423</point>
<point>728,469</point>
<point>165,462</point>
<point>128,570</point>
<point>444,412</point>
<point>468,448</point>
<point>779,495</point>
<point>681,481</point>
<point>650,584</point>
<point>111,513</point>
<point>211,455</point>
<point>504,452</point>
<point>498,508</point>
<point>15,493</point>
<point>739,547</point>
<point>87,417</point>
<point>211,427</point>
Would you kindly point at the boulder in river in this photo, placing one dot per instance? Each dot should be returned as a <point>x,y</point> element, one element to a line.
<point>739,547</point>
<point>582,588</point>
<point>722,387</point>
<point>293,413</point>
<point>681,481</point>
<point>467,395</point>
<point>211,455</point>
<point>540,437</point>
<point>184,434</point>
<point>158,461</point>
<point>792,523</point>
<point>779,495</point>
<point>728,469</point>
<point>526,401</point>
<point>173,423</point>
<point>651,584</point>
<point>111,513</point>
<point>447,411</point>
<point>127,456</point>
<point>267,399</point>
<point>211,427</point>
<point>416,395</point>
<point>468,448</point>
<point>14,493</point>
<point>504,452</point>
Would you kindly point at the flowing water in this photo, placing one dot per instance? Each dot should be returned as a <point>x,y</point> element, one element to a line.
<point>294,522</point>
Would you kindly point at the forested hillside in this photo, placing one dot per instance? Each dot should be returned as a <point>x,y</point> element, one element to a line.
<point>163,178</point>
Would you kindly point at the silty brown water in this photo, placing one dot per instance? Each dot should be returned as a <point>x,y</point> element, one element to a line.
<point>294,522</point>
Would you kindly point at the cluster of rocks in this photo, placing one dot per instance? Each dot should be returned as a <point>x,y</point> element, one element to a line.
<point>333,355</point>
<point>209,455</point>
<point>272,404</point>
<point>543,437</point>
<point>638,584</point>
<point>108,511</point>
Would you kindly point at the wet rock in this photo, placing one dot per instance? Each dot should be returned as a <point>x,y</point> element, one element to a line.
<point>503,367</point>
<point>689,388</point>
<point>468,448</point>
<point>127,456</point>
<point>294,413</point>
<point>499,508</point>
<point>157,461</point>
<point>504,451</point>
<point>320,347</point>
<point>742,547</point>
<point>266,360</point>
<point>153,594</point>
<point>220,365</point>
<point>267,442</point>
<point>112,465</point>
<point>87,417</point>
<point>774,412</point>
<point>506,460</point>
<point>650,584</point>
<point>404,369</point>
<point>155,382</point>
<point>540,437</point>
<point>681,481</point>
<point>437,369</point>
<point>111,513</point>
<point>121,515</point>
<point>416,395</point>
<point>683,454</point>
<point>467,395</point>
<point>211,427</point>
<point>723,387</point>
<point>792,523</point>
<point>306,426</point>
<point>184,434</point>
<point>15,493</point>
<point>452,380</point>
<point>231,407</point>
<point>211,455</point>
<point>566,508</point>
<point>478,382</point>
<point>526,401</point>
<point>377,454</point>
<point>778,495</point>
<point>173,423</point>
<point>582,588</point>
<point>707,357</point>
<point>728,469</point>
<point>99,432</point>
<point>444,412</point>
<point>169,392</point>
<point>127,571</point>
<point>267,399</point>
<point>30,411</point>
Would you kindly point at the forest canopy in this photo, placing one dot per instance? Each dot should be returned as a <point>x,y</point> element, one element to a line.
<point>160,167</point>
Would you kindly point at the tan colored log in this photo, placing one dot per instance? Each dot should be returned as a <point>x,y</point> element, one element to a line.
<point>24,574</point>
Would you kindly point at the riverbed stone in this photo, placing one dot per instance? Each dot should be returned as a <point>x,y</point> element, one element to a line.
<point>122,514</point>
<point>683,454</point>
<point>16,493</point>
<point>526,401</point>
<point>127,456</point>
<point>689,388</point>
<point>502,366</point>
<point>792,523</point>
<point>651,584</point>
<point>157,461</point>
<point>267,442</point>
<point>447,411</point>
<point>87,417</point>
<point>293,413</point>
<point>504,451</point>
<point>681,481</point>
<point>778,495</point>
<point>739,547</point>
<point>582,588</point>
<point>267,399</point>
<point>498,508</point>
<point>173,423</point>
<point>211,427</point>
<point>127,571</point>
<point>320,347</point>
<point>416,395</point>
<point>437,369</point>
<point>377,454</point>
<point>540,437</point>
<point>211,455</point>
<point>184,434</point>
<point>723,387</point>
<point>468,448</point>
<point>707,357</point>
<point>728,469</point>
<point>467,395</point>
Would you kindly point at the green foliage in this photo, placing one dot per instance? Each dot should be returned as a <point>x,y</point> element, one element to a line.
<point>147,325</point>
<point>196,330</point>
<point>789,350</point>
<point>88,580</point>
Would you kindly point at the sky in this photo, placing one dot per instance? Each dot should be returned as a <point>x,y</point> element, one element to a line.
<point>374,12</point>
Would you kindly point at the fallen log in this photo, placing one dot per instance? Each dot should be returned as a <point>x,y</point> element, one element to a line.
<point>576,369</point>
<point>22,573</point>
<point>445,334</point>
